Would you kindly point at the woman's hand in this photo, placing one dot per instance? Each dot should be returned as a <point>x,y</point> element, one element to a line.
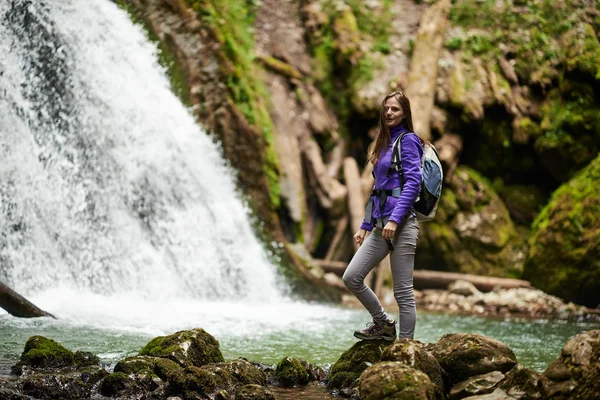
<point>359,236</point>
<point>389,230</point>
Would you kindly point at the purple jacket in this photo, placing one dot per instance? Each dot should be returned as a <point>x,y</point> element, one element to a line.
<point>411,152</point>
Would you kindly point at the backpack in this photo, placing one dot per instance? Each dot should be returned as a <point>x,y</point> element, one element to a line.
<point>432,176</point>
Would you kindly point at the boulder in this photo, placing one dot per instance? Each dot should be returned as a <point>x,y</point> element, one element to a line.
<point>44,353</point>
<point>521,383</point>
<point>347,369</point>
<point>564,250</point>
<point>476,385</point>
<point>292,372</point>
<point>392,380</point>
<point>412,353</point>
<point>253,392</point>
<point>67,386</point>
<point>194,347</point>
<point>463,355</point>
<point>576,373</point>
<point>473,232</point>
<point>213,378</point>
<point>163,368</point>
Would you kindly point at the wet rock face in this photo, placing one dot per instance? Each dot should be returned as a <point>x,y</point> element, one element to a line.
<point>473,232</point>
<point>253,392</point>
<point>353,362</point>
<point>576,373</point>
<point>395,380</point>
<point>411,353</point>
<point>564,254</point>
<point>465,355</point>
<point>194,347</point>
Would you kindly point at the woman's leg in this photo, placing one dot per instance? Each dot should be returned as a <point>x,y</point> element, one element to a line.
<point>372,251</point>
<point>402,260</point>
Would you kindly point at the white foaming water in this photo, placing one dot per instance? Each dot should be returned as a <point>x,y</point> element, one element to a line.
<point>116,209</point>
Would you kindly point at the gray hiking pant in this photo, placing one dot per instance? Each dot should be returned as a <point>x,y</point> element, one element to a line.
<point>402,259</point>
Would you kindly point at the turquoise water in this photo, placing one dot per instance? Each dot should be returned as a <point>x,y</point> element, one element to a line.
<point>316,333</point>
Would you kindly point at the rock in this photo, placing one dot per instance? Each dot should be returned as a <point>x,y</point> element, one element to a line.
<point>463,288</point>
<point>576,373</point>
<point>521,383</point>
<point>473,232</point>
<point>210,379</point>
<point>411,353</point>
<point>161,367</point>
<point>347,369</point>
<point>463,355</point>
<point>292,372</point>
<point>85,359</point>
<point>67,386</point>
<point>44,353</point>
<point>193,347</point>
<point>476,385</point>
<point>253,392</point>
<point>392,380</point>
<point>564,251</point>
<point>119,384</point>
<point>497,394</point>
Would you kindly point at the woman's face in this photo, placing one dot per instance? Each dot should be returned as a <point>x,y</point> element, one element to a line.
<point>393,112</point>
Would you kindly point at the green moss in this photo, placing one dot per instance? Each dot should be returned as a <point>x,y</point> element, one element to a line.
<point>570,125</point>
<point>583,52</point>
<point>193,347</point>
<point>454,43</point>
<point>41,352</point>
<point>564,255</point>
<point>291,371</point>
<point>280,67</point>
<point>232,23</point>
<point>534,33</point>
<point>354,361</point>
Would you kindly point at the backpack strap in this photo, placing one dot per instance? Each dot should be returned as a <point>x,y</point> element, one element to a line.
<point>396,164</point>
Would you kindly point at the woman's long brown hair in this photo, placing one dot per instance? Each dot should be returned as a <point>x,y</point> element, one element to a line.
<point>383,137</point>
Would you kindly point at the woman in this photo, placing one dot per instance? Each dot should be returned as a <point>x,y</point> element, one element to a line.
<point>394,220</point>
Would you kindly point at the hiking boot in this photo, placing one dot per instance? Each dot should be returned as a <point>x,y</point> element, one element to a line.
<point>385,330</point>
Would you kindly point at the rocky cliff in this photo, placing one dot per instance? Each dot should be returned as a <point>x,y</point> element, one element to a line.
<point>507,90</point>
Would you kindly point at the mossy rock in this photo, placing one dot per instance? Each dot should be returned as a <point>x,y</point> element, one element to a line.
<point>473,232</point>
<point>292,372</point>
<point>161,367</point>
<point>463,355</point>
<point>392,380</point>
<point>576,373</point>
<point>193,347</point>
<point>347,369</point>
<point>564,249</point>
<point>570,128</point>
<point>253,392</point>
<point>412,353</point>
<point>524,202</point>
<point>522,380</point>
<point>205,381</point>
<point>119,384</point>
<point>210,379</point>
<point>84,359</point>
<point>44,353</point>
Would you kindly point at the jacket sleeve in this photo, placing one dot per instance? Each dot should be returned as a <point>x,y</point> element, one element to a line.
<point>411,152</point>
<point>367,226</point>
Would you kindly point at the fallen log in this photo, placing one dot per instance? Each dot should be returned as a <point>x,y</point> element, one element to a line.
<point>425,279</point>
<point>19,306</point>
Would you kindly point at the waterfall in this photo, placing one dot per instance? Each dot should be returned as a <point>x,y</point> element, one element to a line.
<point>107,184</point>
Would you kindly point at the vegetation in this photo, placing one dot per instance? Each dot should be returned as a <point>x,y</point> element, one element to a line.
<point>232,22</point>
